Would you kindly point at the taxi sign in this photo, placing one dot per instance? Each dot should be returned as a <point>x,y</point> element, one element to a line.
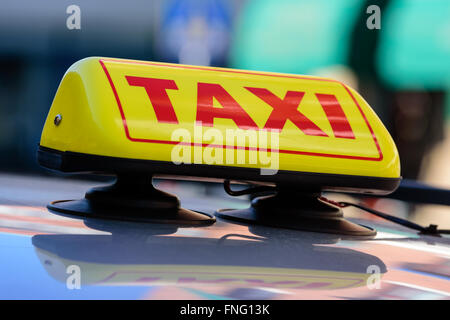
<point>116,115</point>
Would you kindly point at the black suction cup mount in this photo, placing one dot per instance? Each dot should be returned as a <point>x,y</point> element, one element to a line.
<point>296,210</point>
<point>131,198</point>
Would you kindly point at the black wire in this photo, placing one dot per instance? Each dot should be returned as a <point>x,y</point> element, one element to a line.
<point>432,229</point>
<point>251,190</point>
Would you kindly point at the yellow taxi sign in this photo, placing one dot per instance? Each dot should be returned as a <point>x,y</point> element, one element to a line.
<point>218,122</point>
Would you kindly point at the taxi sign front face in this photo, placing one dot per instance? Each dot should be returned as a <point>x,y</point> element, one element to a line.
<point>132,109</point>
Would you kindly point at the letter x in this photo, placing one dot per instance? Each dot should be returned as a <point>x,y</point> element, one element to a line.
<point>284,109</point>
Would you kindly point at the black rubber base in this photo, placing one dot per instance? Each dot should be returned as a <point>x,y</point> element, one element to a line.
<point>68,161</point>
<point>132,198</point>
<point>82,208</point>
<point>300,212</point>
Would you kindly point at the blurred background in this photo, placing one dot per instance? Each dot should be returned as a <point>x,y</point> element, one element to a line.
<point>402,69</point>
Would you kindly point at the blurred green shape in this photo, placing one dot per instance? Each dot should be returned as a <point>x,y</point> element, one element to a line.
<point>447,106</point>
<point>295,36</point>
<point>414,50</point>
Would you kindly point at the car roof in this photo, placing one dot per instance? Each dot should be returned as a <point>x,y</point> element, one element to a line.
<point>42,251</point>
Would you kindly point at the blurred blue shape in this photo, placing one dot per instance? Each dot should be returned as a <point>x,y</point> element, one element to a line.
<point>195,32</point>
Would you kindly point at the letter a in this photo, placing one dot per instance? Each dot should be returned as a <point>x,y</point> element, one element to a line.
<point>206,112</point>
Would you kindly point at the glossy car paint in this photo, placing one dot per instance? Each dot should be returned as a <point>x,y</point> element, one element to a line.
<point>123,260</point>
